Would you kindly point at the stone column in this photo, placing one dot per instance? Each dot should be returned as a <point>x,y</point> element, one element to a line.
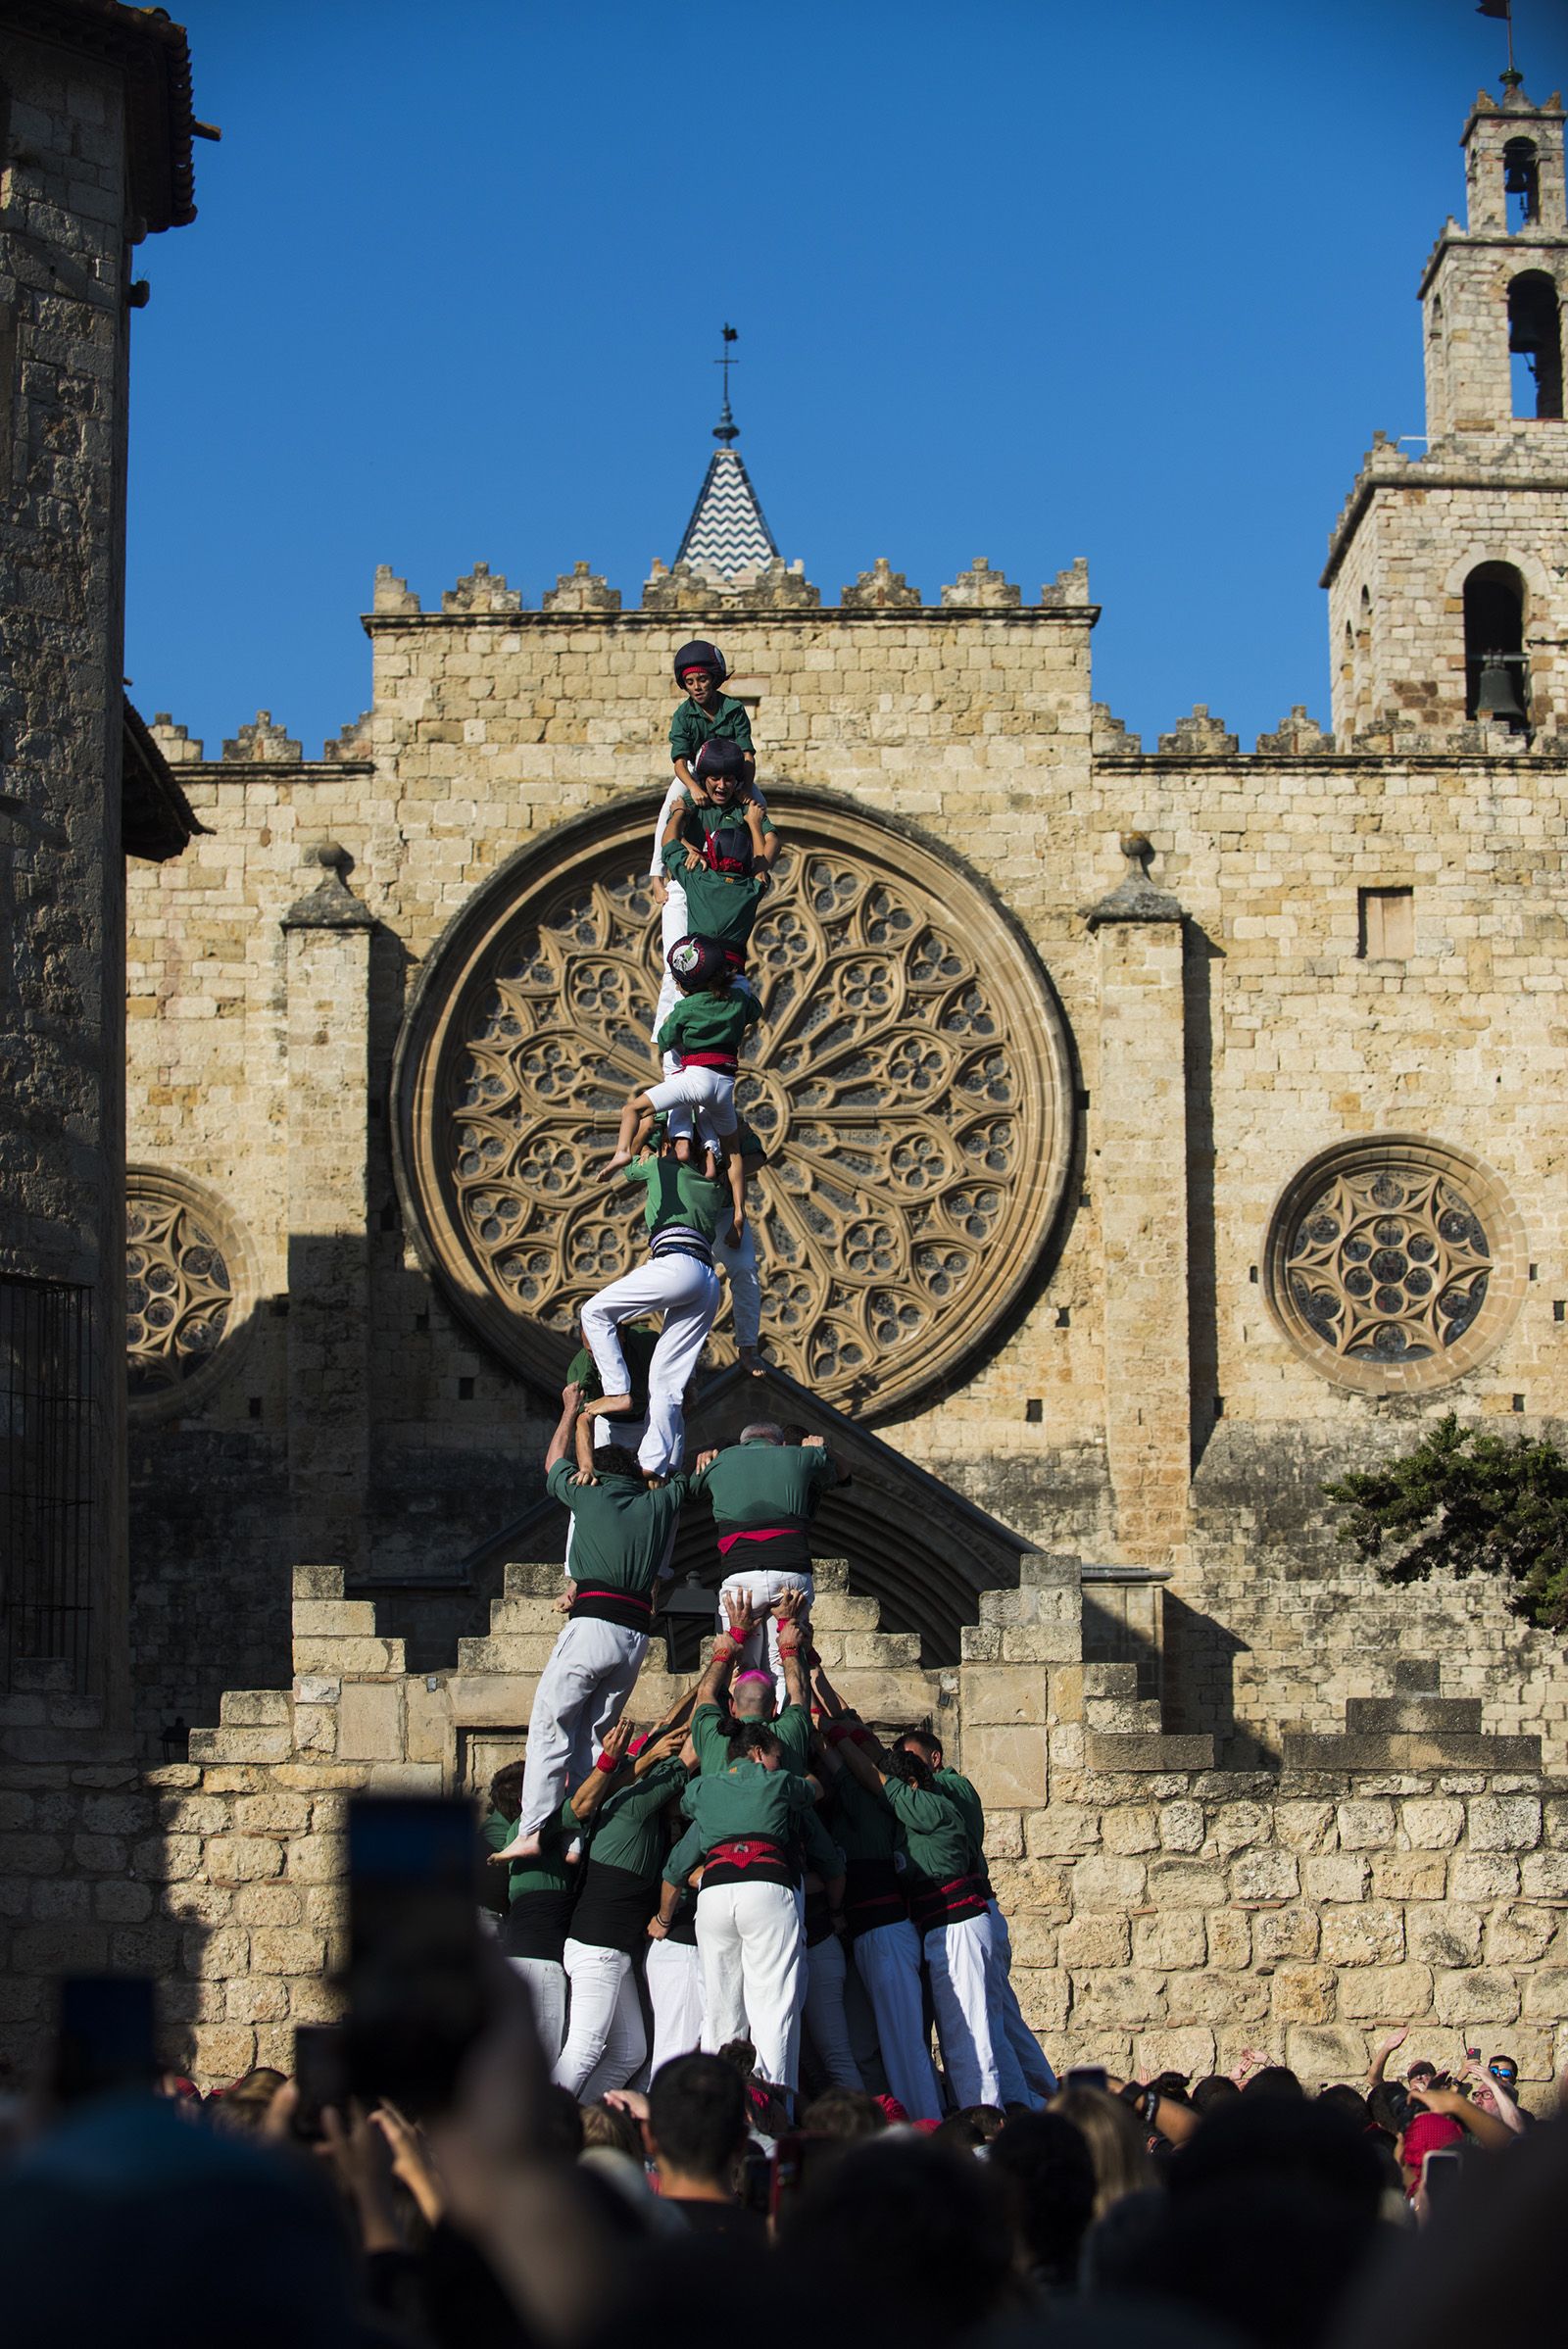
<point>327,944</point>
<point>1140,1182</point>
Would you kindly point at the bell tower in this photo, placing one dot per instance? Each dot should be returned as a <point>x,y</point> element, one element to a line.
<point>1448,573</point>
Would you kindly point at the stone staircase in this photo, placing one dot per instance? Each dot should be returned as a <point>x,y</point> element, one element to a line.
<point>1415,1728</point>
<point>1124,1731</point>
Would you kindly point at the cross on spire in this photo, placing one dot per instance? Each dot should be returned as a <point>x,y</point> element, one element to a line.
<point>726,429</point>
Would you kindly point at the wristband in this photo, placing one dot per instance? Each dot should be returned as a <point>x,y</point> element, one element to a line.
<point>608,1763</point>
<point>789,1651</point>
<point>837,1732</point>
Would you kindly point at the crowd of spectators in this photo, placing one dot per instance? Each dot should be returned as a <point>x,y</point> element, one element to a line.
<point>1233,2212</point>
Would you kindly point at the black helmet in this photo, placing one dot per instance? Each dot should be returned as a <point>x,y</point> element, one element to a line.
<point>696,962</point>
<point>702,656</point>
<point>719,759</point>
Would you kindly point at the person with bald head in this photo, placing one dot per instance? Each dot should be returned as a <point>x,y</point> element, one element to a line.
<point>763,1494</point>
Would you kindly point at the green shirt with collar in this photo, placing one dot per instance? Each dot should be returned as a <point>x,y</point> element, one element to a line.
<point>628,1830</point>
<point>690,727</point>
<point>972,1810</point>
<point>759,1485</point>
<point>867,1828</point>
<point>792,1728</point>
<point>678,1193</point>
<point>934,1836</point>
<point>622,1528</point>
<point>710,1022</point>
<point>747,1800</point>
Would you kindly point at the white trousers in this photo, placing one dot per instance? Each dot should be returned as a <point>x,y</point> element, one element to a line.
<point>687,1294</point>
<point>745,1283</point>
<point>675,1994</point>
<point>605,2041</point>
<point>748,1942</point>
<point>762,1584</point>
<point>888,1962</point>
<point>592,1670</point>
<point>703,1098</point>
<point>958,1959</point>
<point>825,2020</point>
<point>1024,2050</point>
<point>546,1978</point>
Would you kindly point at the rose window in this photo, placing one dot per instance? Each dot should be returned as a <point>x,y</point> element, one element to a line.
<point>910,1083</point>
<point>1393,1263</point>
<point>188,1289</point>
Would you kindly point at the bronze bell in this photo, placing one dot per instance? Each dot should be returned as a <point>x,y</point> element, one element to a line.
<point>1497,694</point>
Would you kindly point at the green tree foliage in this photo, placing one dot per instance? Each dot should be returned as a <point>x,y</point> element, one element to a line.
<point>1476,1503</point>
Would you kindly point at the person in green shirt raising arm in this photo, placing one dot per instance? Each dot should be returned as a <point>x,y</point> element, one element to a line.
<point>703,1036</point>
<point>752,1820</point>
<point>763,1494</point>
<point>719,853</point>
<point>623,1529</point>
<point>947,1909</point>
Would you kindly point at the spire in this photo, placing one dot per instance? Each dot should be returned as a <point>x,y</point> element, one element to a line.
<point>729,532</point>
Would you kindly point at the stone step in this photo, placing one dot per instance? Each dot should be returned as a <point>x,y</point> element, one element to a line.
<point>353,1659</point>
<point>41,1676</point>
<point>838,1611</point>
<point>505,1651</point>
<point>255,1708</point>
<point>1110,1680</point>
<point>1377,1716</point>
<point>526,1618</point>
<point>241,1744</point>
<point>1124,1716</point>
<point>334,1618</point>
<point>1103,1752</point>
<point>1409,1749</point>
<point>532,1578</point>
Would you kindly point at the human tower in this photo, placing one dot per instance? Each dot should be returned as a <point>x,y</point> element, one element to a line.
<point>759,1860</point>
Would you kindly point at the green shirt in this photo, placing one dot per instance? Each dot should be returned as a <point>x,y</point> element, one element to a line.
<point>710,1022</point>
<point>637,1343</point>
<point>628,1829</point>
<point>755,1486</point>
<point>934,1833</point>
<point>747,1800</point>
<point>678,1193</point>
<point>972,1810</point>
<point>549,1872</point>
<point>691,727</point>
<point>792,1728</point>
<point>622,1528</point>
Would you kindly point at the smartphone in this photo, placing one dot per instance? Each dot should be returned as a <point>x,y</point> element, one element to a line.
<point>107,2041</point>
<point>415,1995</point>
<point>1472,2055</point>
<point>793,2158</point>
<point>1088,2076</point>
<point>320,2074</point>
<point>1440,2173</point>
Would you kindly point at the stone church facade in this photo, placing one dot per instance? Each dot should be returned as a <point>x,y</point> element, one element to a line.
<point>1153,1135</point>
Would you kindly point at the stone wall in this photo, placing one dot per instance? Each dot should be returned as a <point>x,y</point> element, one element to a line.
<point>62,356</point>
<point>1163,1911</point>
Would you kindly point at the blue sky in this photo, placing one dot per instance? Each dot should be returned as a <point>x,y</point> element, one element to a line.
<point>1026,279</point>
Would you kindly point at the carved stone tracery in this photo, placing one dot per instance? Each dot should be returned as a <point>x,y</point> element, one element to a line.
<point>1393,1263</point>
<point>188,1288</point>
<point>910,1083</point>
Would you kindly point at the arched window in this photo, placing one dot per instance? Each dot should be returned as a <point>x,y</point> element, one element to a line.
<point>1535,338</point>
<point>1497,680</point>
<point>1521,182</point>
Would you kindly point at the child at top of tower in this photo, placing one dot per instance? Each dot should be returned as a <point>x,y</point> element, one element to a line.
<point>703,1035</point>
<point>707,715</point>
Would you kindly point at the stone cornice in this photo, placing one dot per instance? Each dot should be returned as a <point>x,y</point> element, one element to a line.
<point>1415,475</point>
<point>1035,615</point>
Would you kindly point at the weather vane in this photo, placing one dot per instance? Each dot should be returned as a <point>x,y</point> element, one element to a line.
<point>726,429</point>
<point>1504,11</point>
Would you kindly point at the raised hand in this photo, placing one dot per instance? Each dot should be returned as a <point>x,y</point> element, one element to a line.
<point>616,1741</point>
<point>741,1613</point>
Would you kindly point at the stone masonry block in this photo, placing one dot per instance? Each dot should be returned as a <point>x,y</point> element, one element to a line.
<point>1445,1933</point>
<point>1187,1885</point>
<point>1134,1829</point>
<point>1002,1695</point>
<point>1133,1996</point>
<point>1369,1994</point>
<point>1172,1941</point>
<point>1336,1875</point>
<point>1239,1826</point>
<point>1480,1994</point>
<point>1304,1827</point>
<point>1483,1876</point>
<point>243,1859</point>
<point>1366,1826</point>
<point>1106,1882</point>
<point>370,1722</point>
<point>1182,1827</point>
<point>1323,2053</point>
<point>1008,1764</point>
<point>1521,1937</point>
<point>1504,1822</point>
<point>1093,1941</point>
<point>1265,1875</point>
<point>1371,1935</point>
<point>254,1708</point>
<point>1303,1993</point>
<point>1280,1935</point>
<point>1188,2049</point>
